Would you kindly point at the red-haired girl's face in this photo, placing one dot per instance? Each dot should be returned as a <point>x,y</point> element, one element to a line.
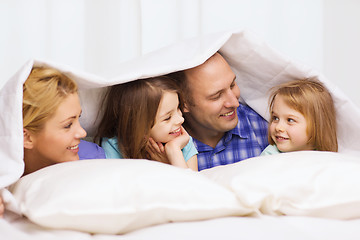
<point>288,127</point>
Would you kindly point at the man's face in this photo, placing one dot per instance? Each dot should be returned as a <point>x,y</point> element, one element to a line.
<point>214,97</point>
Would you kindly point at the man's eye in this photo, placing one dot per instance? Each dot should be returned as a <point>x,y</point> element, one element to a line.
<point>215,97</point>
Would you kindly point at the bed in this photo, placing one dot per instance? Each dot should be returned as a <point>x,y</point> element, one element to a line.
<point>300,195</point>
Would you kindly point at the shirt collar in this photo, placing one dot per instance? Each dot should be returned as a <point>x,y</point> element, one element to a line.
<point>241,130</point>
<point>243,125</point>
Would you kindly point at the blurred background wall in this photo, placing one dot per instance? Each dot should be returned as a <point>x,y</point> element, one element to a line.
<point>96,35</point>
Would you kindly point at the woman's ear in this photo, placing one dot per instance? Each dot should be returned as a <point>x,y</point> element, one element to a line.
<point>28,139</point>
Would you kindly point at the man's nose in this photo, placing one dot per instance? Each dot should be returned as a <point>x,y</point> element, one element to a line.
<point>231,100</point>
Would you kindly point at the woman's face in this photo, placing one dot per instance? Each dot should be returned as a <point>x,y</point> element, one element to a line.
<point>59,140</point>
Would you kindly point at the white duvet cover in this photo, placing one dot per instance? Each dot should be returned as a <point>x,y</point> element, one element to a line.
<point>317,191</point>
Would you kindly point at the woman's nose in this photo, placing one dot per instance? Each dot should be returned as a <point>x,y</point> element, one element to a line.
<point>81,133</point>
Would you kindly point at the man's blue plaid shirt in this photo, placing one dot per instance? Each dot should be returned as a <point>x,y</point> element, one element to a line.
<point>248,139</point>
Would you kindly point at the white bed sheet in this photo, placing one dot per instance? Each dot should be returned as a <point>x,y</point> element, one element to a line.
<point>259,228</point>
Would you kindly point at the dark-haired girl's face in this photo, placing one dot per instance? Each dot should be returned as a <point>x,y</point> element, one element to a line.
<point>168,119</point>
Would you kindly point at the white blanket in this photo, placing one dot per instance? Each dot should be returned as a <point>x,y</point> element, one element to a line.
<point>258,68</point>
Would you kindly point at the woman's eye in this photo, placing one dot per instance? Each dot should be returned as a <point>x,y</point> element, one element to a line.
<point>274,118</point>
<point>290,120</point>
<point>69,125</point>
<point>167,119</point>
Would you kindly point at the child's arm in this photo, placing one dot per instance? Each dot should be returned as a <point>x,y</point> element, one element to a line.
<point>193,163</point>
<point>175,155</point>
<point>173,149</point>
<point>2,207</point>
<point>171,152</point>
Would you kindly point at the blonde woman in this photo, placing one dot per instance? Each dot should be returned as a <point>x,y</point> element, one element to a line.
<point>51,112</point>
<point>52,132</point>
<point>302,118</point>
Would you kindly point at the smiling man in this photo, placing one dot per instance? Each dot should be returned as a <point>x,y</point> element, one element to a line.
<point>224,130</point>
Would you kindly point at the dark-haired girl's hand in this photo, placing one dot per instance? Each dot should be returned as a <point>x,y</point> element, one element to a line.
<point>173,149</point>
<point>180,141</point>
<point>156,151</point>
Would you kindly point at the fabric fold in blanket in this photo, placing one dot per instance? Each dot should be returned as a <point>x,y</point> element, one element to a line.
<point>258,67</point>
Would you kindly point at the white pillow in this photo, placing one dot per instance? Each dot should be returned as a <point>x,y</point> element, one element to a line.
<point>307,183</point>
<point>116,196</point>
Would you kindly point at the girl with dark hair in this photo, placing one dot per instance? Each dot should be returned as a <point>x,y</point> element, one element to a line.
<point>142,120</point>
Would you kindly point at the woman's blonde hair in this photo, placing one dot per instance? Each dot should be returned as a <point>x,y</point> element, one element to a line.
<point>314,101</point>
<point>43,92</point>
